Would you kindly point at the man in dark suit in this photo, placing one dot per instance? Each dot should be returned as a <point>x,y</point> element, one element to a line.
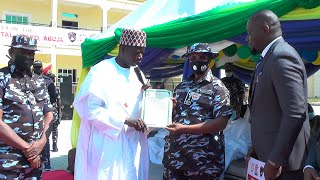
<point>278,101</point>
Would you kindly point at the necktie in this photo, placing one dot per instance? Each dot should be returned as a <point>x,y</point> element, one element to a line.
<point>258,70</point>
<point>259,61</point>
<point>255,79</point>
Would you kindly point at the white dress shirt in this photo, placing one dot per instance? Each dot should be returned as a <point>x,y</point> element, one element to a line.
<point>264,52</point>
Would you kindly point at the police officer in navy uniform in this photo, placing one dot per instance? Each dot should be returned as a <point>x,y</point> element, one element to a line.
<point>37,69</point>
<point>194,149</point>
<point>25,111</point>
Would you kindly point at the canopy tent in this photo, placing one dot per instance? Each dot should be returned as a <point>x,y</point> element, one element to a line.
<point>188,25</point>
<point>175,34</point>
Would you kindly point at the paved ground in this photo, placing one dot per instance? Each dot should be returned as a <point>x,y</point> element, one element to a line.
<point>59,160</point>
<point>316,109</point>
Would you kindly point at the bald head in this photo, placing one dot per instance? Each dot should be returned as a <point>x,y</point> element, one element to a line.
<point>263,27</point>
<point>267,18</point>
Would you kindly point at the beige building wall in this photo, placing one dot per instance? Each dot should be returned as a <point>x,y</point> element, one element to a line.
<point>90,18</point>
<point>70,62</point>
<point>39,12</point>
<point>314,85</point>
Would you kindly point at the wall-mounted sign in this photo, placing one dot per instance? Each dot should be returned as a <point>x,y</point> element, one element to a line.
<point>45,35</point>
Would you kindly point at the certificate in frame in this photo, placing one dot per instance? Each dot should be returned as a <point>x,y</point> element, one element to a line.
<point>157,108</point>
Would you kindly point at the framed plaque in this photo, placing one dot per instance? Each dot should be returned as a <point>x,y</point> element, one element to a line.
<point>157,108</point>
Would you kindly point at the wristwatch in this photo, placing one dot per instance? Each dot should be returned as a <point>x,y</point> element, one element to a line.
<point>273,164</point>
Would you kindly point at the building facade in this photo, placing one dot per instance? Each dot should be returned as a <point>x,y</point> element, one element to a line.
<point>60,26</point>
<point>314,85</point>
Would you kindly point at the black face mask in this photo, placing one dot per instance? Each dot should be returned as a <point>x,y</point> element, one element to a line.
<point>199,67</point>
<point>23,63</point>
<point>37,70</point>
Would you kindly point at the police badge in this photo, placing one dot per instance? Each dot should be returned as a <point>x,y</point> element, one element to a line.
<point>195,96</point>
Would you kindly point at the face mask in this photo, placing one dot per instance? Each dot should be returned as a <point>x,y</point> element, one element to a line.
<point>199,67</point>
<point>37,70</point>
<point>228,74</point>
<point>23,63</point>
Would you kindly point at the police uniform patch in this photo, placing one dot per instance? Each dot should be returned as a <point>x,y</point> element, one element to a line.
<point>195,96</point>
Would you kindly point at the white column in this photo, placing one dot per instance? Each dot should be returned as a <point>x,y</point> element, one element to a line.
<point>316,82</point>
<point>54,60</point>
<point>105,9</point>
<point>54,13</point>
<point>54,23</point>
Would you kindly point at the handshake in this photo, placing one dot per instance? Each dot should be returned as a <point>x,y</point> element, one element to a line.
<point>32,152</point>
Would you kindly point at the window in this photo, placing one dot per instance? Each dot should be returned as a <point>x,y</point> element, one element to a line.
<point>69,24</point>
<point>10,19</point>
<point>69,72</point>
<point>16,18</point>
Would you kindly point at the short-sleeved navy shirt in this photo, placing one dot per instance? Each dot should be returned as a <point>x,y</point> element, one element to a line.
<point>198,102</point>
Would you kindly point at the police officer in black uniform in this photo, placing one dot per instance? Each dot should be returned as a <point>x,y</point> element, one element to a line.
<point>236,88</point>
<point>25,111</point>
<point>56,114</point>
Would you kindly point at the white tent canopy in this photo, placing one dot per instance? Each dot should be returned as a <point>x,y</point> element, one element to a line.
<point>154,12</point>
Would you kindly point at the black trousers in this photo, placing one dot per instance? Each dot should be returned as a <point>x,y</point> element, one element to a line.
<point>45,154</point>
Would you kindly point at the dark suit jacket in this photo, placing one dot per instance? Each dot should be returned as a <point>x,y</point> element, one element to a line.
<point>280,127</point>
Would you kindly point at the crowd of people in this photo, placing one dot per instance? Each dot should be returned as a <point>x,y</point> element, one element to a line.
<point>112,142</point>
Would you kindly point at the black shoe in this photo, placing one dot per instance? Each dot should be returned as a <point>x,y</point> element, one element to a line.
<point>47,166</point>
<point>54,147</point>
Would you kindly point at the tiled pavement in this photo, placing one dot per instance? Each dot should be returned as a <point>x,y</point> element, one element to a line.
<point>59,160</point>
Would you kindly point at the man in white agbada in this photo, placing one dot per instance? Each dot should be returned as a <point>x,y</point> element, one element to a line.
<point>111,142</point>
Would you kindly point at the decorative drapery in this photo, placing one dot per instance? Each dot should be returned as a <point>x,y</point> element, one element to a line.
<point>301,34</point>
<point>245,74</point>
<point>211,26</point>
<point>218,24</point>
